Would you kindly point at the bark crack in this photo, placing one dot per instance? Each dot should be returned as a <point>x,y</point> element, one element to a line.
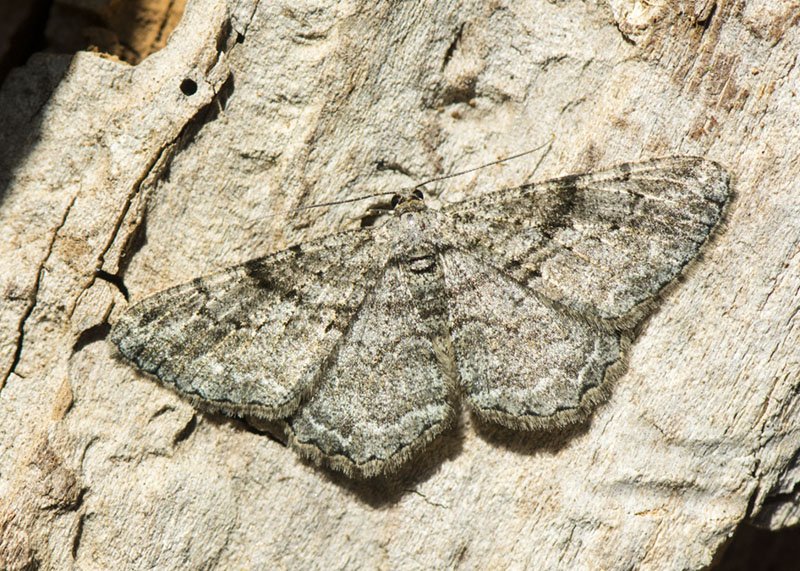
<point>34,295</point>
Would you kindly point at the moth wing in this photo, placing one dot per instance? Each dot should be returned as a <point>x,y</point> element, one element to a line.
<point>253,338</point>
<point>386,392</point>
<point>524,361</point>
<point>602,244</point>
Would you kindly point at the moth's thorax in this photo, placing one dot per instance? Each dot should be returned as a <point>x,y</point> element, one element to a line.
<point>418,235</point>
<point>414,225</point>
<point>423,274</point>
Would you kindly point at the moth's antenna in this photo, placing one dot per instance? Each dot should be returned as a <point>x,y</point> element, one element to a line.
<point>498,161</point>
<point>544,154</point>
<point>430,180</point>
<point>331,203</point>
<point>345,201</point>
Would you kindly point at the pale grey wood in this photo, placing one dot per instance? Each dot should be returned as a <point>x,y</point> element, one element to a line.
<point>103,468</point>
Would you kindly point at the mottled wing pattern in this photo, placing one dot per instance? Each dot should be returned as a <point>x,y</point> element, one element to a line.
<point>524,361</point>
<point>384,394</point>
<point>602,244</point>
<point>253,338</point>
<point>520,296</point>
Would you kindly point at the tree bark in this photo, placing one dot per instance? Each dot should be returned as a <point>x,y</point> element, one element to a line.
<point>122,180</point>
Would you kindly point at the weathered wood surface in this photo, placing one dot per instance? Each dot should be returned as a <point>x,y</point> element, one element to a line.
<point>124,169</point>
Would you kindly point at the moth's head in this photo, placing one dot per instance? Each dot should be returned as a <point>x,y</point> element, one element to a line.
<point>410,200</point>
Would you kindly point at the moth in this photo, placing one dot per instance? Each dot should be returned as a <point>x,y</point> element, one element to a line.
<point>515,303</point>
